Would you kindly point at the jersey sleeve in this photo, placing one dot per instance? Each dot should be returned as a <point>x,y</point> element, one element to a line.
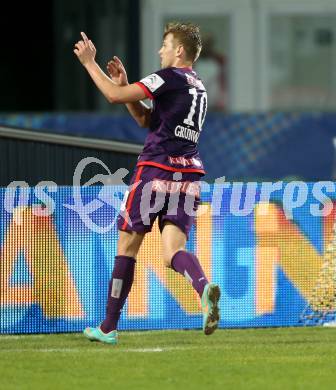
<point>157,83</point>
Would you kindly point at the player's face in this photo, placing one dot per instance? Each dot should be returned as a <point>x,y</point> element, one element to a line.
<point>168,51</point>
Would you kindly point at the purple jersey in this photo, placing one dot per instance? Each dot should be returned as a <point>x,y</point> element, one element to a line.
<point>179,108</point>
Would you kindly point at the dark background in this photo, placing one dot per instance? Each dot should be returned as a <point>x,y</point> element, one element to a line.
<point>39,71</point>
<point>27,63</point>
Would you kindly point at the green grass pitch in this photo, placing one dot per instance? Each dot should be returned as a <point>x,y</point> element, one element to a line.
<point>282,358</point>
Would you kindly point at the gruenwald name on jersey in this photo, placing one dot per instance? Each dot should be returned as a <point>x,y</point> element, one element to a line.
<point>187,133</point>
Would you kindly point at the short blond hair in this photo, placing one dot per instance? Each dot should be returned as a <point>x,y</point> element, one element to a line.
<point>188,35</point>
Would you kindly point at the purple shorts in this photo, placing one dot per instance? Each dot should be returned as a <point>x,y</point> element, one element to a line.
<point>154,192</point>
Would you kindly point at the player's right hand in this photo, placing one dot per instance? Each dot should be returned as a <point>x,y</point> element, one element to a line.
<point>85,50</point>
<point>117,71</point>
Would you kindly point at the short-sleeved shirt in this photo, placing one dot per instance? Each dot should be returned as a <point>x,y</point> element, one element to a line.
<point>179,108</point>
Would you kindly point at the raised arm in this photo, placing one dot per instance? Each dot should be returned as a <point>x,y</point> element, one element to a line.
<point>114,93</point>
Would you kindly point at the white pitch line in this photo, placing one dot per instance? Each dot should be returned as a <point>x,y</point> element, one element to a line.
<point>144,350</point>
<point>86,350</point>
<point>74,350</point>
<point>77,350</point>
<point>18,337</point>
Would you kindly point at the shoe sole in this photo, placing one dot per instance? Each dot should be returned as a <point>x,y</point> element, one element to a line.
<point>213,317</point>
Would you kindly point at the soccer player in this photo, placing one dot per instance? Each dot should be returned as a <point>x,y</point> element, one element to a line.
<point>170,162</point>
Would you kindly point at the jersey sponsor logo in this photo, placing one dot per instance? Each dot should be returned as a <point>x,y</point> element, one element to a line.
<point>186,133</point>
<point>174,187</point>
<point>153,82</point>
<point>185,162</point>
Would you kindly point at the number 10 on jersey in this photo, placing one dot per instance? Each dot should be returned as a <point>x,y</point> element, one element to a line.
<point>202,108</point>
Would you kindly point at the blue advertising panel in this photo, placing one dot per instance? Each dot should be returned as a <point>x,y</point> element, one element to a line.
<point>57,254</point>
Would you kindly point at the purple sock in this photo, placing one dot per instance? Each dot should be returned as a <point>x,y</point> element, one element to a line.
<point>119,288</point>
<point>188,265</point>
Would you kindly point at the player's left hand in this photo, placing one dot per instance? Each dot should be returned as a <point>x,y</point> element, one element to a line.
<point>117,71</point>
<point>85,50</point>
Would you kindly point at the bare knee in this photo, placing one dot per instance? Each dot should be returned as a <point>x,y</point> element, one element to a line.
<point>129,243</point>
<point>168,254</point>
